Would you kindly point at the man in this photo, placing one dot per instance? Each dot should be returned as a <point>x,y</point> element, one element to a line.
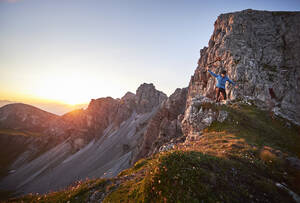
<point>221,81</point>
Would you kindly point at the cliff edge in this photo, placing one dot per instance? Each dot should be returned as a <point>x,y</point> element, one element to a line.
<point>261,52</point>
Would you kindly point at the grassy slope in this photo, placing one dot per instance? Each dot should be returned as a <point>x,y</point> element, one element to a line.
<point>14,132</point>
<point>260,128</point>
<point>239,160</point>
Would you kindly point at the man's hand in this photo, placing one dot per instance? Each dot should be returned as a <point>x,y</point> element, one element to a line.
<point>207,68</point>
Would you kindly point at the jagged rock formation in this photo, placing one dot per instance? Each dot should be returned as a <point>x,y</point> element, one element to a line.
<point>261,52</point>
<point>104,111</point>
<point>200,114</point>
<point>147,98</point>
<point>165,126</point>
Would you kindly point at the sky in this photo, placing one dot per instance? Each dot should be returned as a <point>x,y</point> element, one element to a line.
<point>71,51</point>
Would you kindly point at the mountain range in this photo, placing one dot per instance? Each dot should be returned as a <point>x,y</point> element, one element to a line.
<point>148,147</point>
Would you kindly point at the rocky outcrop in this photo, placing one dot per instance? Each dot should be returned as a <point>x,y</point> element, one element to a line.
<point>126,108</point>
<point>261,52</point>
<point>148,97</point>
<point>165,126</point>
<point>200,114</point>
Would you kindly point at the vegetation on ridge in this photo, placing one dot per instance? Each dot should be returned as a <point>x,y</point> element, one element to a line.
<point>259,128</point>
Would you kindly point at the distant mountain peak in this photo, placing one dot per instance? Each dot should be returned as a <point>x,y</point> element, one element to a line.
<point>24,116</point>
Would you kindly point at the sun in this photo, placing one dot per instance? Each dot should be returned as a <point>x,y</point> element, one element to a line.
<point>73,99</point>
<point>71,89</point>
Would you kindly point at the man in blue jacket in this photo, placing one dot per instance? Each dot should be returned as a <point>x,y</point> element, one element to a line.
<point>221,81</point>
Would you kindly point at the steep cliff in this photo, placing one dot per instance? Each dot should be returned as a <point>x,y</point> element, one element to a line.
<point>261,52</point>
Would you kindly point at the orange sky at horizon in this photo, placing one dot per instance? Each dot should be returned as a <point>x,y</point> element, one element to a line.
<point>64,86</point>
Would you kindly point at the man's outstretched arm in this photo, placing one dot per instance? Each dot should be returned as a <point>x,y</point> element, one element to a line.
<point>230,81</point>
<point>233,83</point>
<point>212,73</point>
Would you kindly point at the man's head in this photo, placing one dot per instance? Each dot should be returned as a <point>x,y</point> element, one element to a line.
<point>223,73</point>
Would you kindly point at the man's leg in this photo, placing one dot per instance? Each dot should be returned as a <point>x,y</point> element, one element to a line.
<point>223,92</point>
<point>217,94</point>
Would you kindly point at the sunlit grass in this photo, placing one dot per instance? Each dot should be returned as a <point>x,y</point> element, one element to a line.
<point>25,133</point>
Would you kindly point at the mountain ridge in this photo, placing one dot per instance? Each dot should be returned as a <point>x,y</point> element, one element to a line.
<point>109,132</point>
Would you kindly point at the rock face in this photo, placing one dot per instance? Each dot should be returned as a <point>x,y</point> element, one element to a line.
<point>85,124</point>
<point>147,98</point>
<point>165,126</point>
<point>261,52</point>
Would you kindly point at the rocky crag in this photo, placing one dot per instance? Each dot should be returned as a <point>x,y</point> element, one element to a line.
<point>165,127</point>
<point>261,52</point>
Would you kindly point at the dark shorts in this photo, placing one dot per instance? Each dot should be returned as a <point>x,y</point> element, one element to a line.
<point>220,92</point>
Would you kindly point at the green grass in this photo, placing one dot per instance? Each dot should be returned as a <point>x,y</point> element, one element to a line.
<point>136,167</point>
<point>77,193</point>
<point>190,176</point>
<point>180,176</point>
<point>259,128</point>
<point>129,191</point>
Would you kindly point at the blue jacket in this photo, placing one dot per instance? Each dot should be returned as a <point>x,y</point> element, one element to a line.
<point>221,81</point>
